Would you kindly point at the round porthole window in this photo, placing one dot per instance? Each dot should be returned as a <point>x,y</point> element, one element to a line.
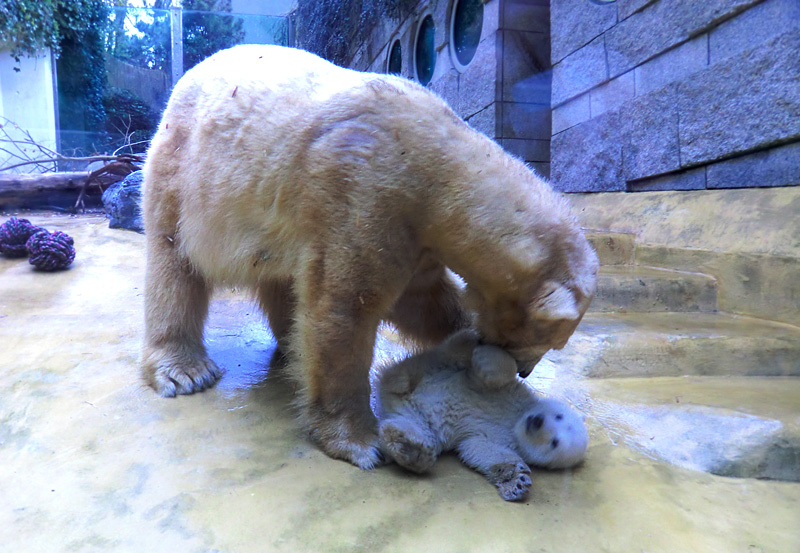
<point>395,63</point>
<point>425,50</point>
<point>466,23</point>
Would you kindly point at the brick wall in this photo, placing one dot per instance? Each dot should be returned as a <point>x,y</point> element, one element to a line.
<point>675,94</point>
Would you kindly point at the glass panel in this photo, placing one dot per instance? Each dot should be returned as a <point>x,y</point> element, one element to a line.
<point>467,25</point>
<point>426,50</point>
<point>395,59</point>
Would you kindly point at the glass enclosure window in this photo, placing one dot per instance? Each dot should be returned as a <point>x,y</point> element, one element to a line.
<point>395,64</point>
<point>425,50</point>
<point>465,30</point>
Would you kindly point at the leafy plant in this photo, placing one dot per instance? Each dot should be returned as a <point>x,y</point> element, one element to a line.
<point>331,28</point>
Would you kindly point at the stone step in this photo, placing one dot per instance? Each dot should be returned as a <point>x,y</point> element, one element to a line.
<point>625,288</point>
<point>676,344</point>
<point>745,427</point>
<point>613,248</point>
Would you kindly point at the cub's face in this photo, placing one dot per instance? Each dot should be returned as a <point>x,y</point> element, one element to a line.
<point>552,435</point>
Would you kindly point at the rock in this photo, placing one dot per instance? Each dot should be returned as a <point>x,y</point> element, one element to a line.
<point>121,202</point>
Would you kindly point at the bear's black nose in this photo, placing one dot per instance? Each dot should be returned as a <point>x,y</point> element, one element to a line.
<point>554,443</point>
<point>534,422</point>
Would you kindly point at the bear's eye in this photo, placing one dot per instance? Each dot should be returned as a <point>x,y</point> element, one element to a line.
<point>554,443</point>
<point>559,417</point>
<point>534,422</point>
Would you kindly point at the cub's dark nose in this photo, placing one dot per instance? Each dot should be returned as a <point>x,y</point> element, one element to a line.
<point>554,443</point>
<point>534,422</point>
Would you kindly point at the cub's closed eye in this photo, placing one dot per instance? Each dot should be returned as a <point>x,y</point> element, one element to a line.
<point>559,417</point>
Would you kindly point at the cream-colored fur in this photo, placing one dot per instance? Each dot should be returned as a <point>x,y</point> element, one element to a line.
<point>339,197</point>
<point>465,396</point>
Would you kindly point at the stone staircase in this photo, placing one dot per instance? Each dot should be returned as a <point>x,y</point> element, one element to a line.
<point>655,363</point>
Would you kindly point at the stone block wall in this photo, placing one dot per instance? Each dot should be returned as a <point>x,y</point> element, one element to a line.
<point>675,94</point>
<point>504,92</point>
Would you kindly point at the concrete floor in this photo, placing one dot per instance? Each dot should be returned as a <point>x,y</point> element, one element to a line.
<point>91,460</point>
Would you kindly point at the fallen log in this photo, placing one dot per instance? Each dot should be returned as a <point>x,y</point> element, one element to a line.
<point>36,190</point>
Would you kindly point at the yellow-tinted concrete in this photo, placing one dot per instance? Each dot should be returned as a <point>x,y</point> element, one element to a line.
<point>748,240</point>
<point>91,460</point>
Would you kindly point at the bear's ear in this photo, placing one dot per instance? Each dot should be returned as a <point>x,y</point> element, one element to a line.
<point>555,302</point>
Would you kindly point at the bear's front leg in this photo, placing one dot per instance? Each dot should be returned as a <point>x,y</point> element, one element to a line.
<point>333,353</point>
<point>174,359</point>
<point>332,342</point>
<point>501,465</point>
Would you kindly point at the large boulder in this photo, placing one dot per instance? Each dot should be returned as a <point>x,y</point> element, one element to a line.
<point>122,201</point>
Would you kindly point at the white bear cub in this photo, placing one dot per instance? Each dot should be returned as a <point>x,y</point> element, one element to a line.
<point>465,396</point>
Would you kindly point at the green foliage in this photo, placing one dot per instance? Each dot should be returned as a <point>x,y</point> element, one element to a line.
<point>151,47</point>
<point>128,119</point>
<point>82,74</point>
<point>330,28</point>
<point>28,26</point>
<point>206,32</point>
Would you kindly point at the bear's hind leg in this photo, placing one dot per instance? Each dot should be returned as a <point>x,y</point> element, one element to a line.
<point>176,305</point>
<point>278,302</point>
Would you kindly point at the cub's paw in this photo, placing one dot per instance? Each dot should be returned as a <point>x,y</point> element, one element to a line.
<point>341,438</point>
<point>513,481</point>
<point>171,374</point>
<point>408,450</point>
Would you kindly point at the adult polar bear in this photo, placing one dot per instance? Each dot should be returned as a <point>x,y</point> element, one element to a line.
<point>340,197</point>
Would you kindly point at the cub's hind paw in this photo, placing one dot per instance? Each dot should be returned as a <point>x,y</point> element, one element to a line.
<point>513,481</point>
<point>407,450</point>
<point>172,375</point>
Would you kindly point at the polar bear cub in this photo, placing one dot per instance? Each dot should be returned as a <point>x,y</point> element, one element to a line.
<point>465,396</point>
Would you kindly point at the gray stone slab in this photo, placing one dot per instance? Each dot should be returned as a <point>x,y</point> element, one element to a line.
<point>672,65</point>
<point>662,25</point>
<point>485,121</point>
<point>612,94</point>
<point>446,85</point>
<point>491,19</point>
<point>745,102</point>
<point>626,8</point>
<point>528,150</point>
<point>575,23</point>
<point>774,167</point>
<point>693,179</point>
<point>650,134</point>
<point>755,26</point>
<point>526,67</point>
<point>523,15</point>
<point>481,79</point>
<point>580,71</point>
<point>572,113</point>
<point>541,168</point>
<point>588,157</point>
<point>525,121</point>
